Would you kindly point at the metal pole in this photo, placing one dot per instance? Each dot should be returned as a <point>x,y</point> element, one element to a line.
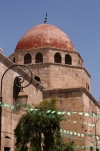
<point>17,86</point>
<point>0,120</point>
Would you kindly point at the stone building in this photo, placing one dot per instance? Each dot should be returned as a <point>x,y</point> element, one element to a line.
<point>58,71</point>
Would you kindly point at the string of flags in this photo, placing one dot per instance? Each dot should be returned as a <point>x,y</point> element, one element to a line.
<point>49,113</point>
<point>94,114</point>
<point>12,107</point>
<point>81,122</point>
<point>65,133</point>
<point>86,147</point>
<point>79,137</point>
<point>19,105</point>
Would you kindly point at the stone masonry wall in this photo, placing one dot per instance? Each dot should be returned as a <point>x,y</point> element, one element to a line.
<point>9,118</point>
<point>42,71</point>
<point>93,107</point>
<point>55,75</point>
<point>77,100</point>
<point>68,77</point>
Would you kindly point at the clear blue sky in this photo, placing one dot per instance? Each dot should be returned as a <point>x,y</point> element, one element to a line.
<point>79,19</point>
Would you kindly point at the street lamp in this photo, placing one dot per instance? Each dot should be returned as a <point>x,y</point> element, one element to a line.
<point>96,134</point>
<point>21,80</point>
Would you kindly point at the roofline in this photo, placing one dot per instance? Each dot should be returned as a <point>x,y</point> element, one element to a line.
<point>45,48</point>
<point>54,91</point>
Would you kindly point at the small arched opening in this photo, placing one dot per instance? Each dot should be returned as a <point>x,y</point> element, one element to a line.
<point>37,79</point>
<point>79,61</point>
<point>57,58</point>
<point>68,59</point>
<point>14,59</point>
<point>88,87</point>
<point>27,59</point>
<point>7,137</point>
<point>38,57</point>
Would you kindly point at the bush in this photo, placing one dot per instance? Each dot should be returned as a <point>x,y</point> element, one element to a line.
<point>41,126</point>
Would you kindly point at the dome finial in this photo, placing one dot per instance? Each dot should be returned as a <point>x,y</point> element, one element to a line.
<point>45,20</point>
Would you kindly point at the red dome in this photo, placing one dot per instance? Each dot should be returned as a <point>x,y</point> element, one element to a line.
<point>45,35</point>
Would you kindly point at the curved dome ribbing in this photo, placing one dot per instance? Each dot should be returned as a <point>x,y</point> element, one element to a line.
<point>45,35</point>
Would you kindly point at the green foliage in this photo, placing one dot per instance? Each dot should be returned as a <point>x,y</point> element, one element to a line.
<point>51,105</point>
<point>40,127</point>
<point>69,146</point>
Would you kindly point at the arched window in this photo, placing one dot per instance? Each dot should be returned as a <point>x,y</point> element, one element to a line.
<point>38,57</point>
<point>27,59</point>
<point>88,87</point>
<point>79,61</point>
<point>68,59</point>
<point>37,79</point>
<point>57,58</point>
<point>16,89</point>
<point>14,59</point>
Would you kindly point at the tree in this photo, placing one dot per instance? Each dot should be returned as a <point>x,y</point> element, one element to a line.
<point>40,127</point>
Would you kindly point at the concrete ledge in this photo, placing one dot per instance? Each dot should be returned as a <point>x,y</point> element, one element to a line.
<point>48,93</point>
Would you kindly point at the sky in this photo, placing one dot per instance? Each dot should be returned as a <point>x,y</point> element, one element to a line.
<point>79,19</point>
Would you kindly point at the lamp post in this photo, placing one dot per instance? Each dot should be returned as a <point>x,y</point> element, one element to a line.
<point>20,81</point>
<point>96,134</point>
